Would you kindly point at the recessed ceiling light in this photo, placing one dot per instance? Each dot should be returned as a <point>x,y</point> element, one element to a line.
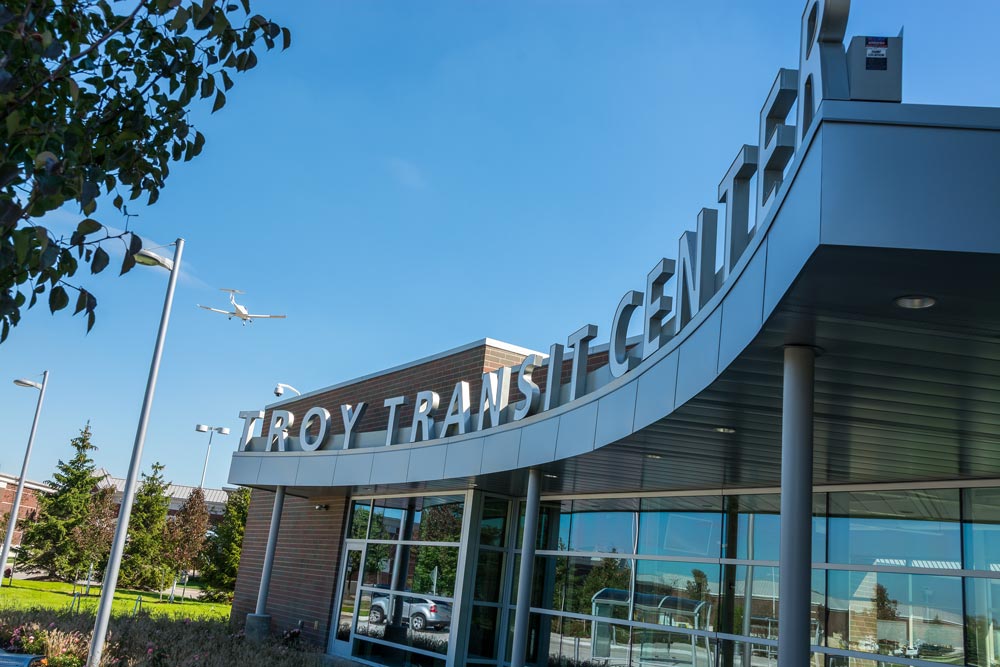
<point>655,457</point>
<point>550,476</point>
<point>724,429</point>
<point>915,301</point>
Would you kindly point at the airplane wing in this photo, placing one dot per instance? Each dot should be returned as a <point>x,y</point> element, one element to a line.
<point>281,317</point>
<point>216,310</point>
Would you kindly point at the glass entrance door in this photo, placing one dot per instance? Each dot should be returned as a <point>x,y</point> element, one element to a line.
<point>346,609</point>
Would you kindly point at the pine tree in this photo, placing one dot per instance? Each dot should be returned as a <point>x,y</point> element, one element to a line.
<point>46,543</point>
<point>144,564</point>
<point>221,558</point>
<point>92,540</point>
<point>185,534</point>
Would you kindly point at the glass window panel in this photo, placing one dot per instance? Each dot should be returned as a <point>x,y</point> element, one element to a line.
<point>489,576</point>
<point>493,527</point>
<point>407,620</point>
<point>758,517</point>
<point>584,585</point>
<point>909,616</point>
<point>349,593</point>
<point>681,527</point>
<point>388,518</point>
<point>603,525</point>
<point>483,631</point>
<point>670,648</point>
<point>903,528</point>
<point>438,519</point>
<point>569,642</point>
<point>379,562</point>
<point>684,595</point>
<point>392,656</point>
<point>749,654</point>
<point>982,622</point>
<point>553,526</point>
<point>431,570</point>
<point>982,529</point>
<point>360,511</point>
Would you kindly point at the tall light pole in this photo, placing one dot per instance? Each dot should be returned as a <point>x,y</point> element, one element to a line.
<point>212,430</point>
<point>147,258</point>
<point>16,507</point>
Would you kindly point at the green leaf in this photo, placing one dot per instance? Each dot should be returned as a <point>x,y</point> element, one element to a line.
<point>127,264</point>
<point>58,299</point>
<point>227,82</point>
<point>286,38</point>
<point>42,235</point>
<point>220,101</point>
<point>134,244</point>
<point>88,226</point>
<point>81,301</point>
<point>100,261</point>
<point>22,244</point>
<point>207,86</point>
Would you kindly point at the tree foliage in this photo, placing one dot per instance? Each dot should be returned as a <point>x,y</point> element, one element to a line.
<point>48,540</point>
<point>94,101</point>
<point>145,562</point>
<point>186,532</point>
<point>221,555</point>
<point>92,539</point>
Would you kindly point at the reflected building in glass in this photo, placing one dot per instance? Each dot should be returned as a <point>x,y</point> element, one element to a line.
<point>796,462</point>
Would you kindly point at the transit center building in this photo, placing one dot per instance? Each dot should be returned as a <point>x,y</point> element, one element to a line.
<point>797,461</point>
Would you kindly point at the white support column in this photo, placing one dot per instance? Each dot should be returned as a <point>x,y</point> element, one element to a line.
<point>258,624</point>
<point>520,644</point>
<point>794,574</point>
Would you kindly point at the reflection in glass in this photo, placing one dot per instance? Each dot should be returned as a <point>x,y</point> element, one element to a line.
<point>404,619</point>
<point>982,622</point>
<point>671,648</point>
<point>682,527</point>
<point>437,519</point>
<point>379,562</point>
<point>901,528</point>
<point>679,594</point>
<point>911,616</point>
<point>489,576</point>
<point>432,570</point>
<point>483,632</point>
<point>570,642</point>
<point>603,525</point>
<point>759,526</point>
<point>388,517</point>
<point>360,510</point>
<point>493,527</point>
<point>349,594</point>
<point>584,585</point>
<point>982,529</point>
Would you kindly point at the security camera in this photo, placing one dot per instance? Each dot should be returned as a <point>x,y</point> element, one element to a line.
<point>279,390</point>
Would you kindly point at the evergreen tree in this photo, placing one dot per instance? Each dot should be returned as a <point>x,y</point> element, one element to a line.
<point>185,534</point>
<point>46,542</point>
<point>221,557</point>
<point>144,564</point>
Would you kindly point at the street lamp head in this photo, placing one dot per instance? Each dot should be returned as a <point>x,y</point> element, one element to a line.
<point>201,428</point>
<point>222,430</point>
<point>150,258</point>
<point>23,382</point>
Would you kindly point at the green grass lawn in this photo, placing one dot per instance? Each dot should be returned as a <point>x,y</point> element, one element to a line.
<point>56,595</point>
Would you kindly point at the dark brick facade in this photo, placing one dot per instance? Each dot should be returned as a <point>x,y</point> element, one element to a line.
<point>29,503</point>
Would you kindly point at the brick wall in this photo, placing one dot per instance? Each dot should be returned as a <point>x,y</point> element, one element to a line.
<point>306,561</point>
<point>29,504</point>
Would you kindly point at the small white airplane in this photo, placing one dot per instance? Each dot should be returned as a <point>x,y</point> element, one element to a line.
<point>238,310</point>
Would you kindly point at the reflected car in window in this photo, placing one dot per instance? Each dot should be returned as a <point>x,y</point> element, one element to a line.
<point>418,612</point>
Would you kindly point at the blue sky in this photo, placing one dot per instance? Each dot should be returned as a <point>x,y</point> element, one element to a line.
<point>410,177</point>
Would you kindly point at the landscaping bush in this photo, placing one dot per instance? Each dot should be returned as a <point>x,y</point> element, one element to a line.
<point>144,641</point>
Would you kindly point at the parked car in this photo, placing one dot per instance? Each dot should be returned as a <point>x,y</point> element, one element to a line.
<point>419,612</point>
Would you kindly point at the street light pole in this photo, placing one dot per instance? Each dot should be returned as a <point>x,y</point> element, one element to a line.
<point>212,430</point>
<point>16,507</point>
<point>128,496</point>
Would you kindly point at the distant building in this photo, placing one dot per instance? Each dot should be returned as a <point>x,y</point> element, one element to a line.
<point>215,499</point>
<point>29,500</point>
